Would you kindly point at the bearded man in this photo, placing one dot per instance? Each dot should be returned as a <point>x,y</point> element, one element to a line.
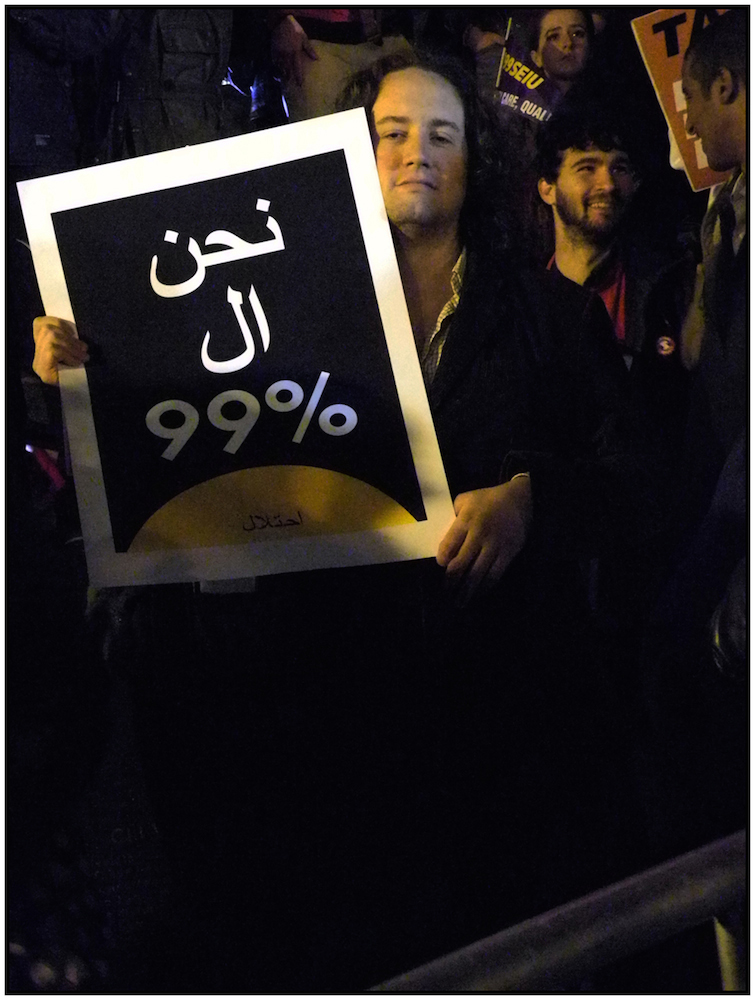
<point>589,178</point>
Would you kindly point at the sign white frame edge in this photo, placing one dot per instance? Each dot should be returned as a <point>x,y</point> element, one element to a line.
<point>347,131</point>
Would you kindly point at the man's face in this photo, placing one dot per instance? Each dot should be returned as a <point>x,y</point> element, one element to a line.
<point>592,191</point>
<point>704,120</point>
<point>421,150</point>
<point>563,45</point>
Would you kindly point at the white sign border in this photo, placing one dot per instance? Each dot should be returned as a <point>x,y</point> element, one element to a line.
<point>347,131</point>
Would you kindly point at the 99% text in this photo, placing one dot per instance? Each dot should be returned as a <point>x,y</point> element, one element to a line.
<point>283,396</point>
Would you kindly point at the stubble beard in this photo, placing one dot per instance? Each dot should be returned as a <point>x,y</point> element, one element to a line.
<point>417,218</point>
<point>411,211</point>
<point>580,226</point>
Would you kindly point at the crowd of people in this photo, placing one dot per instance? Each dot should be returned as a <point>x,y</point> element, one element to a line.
<point>558,699</point>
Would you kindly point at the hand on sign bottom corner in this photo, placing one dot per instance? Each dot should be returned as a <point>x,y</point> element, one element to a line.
<point>489,530</point>
<point>56,343</point>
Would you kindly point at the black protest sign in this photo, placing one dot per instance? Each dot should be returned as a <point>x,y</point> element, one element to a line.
<point>241,391</point>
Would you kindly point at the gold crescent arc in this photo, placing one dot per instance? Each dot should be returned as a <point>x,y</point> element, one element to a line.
<point>271,503</point>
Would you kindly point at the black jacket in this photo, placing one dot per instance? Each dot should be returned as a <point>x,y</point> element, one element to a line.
<point>49,53</point>
<point>530,380</point>
<point>164,79</point>
<point>659,285</point>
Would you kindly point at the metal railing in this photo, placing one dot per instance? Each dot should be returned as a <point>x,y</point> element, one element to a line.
<point>560,948</point>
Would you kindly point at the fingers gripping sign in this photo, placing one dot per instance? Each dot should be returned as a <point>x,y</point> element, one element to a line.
<point>56,343</point>
<point>490,529</point>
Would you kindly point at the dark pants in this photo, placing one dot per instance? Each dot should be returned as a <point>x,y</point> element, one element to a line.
<point>352,778</point>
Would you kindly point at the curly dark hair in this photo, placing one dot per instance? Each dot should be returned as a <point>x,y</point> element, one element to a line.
<point>481,218</point>
<point>587,126</point>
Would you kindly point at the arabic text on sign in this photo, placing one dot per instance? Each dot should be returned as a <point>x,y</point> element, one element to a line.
<point>235,299</point>
<point>235,249</point>
<point>258,522</point>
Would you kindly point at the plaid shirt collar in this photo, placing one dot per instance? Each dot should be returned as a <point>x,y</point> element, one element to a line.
<point>430,358</point>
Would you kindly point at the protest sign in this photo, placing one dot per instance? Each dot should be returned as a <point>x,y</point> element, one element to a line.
<point>521,87</point>
<point>662,38</point>
<point>254,403</point>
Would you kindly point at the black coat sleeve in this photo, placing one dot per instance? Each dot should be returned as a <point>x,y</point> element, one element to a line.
<point>64,34</point>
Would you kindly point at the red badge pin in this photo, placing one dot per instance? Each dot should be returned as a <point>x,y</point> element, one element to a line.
<point>665,346</point>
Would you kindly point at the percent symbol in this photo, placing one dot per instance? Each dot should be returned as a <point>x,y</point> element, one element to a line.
<point>239,427</point>
<point>325,420</point>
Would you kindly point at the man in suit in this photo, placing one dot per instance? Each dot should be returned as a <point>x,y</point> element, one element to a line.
<point>697,713</point>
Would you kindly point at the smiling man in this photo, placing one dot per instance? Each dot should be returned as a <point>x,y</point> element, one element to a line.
<point>698,777</point>
<point>421,153</point>
<point>589,196</point>
<point>589,180</point>
<point>432,151</point>
<point>714,82</point>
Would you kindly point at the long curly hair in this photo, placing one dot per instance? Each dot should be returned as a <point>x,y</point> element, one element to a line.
<point>482,223</point>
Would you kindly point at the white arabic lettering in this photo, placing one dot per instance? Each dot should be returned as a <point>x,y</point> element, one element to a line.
<point>235,249</point>
<point>235,298</point>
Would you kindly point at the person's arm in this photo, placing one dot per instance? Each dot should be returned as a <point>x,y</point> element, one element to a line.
<point>478,28</point>
<point>56,343</point>
<point>489,531</point>
<point>477,39</point>
<point>289,45</point>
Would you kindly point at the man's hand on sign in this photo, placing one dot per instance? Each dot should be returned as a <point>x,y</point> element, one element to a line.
<point>56,343</point>
<point>289,45</point>
<point>490,529</point>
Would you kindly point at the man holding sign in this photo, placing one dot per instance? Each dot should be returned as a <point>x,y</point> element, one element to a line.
<point>437,208</point>
<point>326,721</point>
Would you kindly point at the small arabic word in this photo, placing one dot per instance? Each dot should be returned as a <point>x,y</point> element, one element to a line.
<point>335,420</point>
<point>235,249</point>
<point>258,522</point>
